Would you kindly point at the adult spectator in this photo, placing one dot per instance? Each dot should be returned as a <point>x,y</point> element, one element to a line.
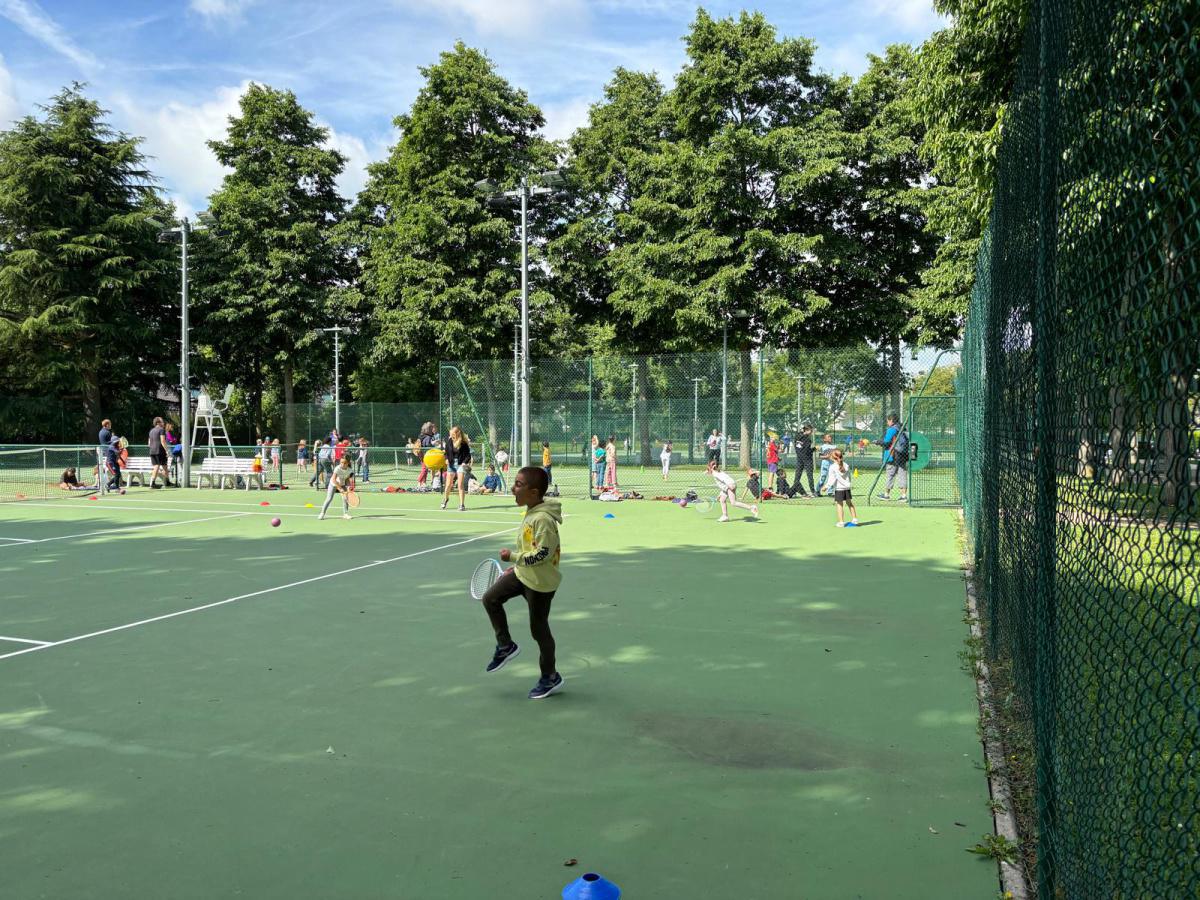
<point>804,461</point>
<point>895,458</point>
<point>108,443</point>
<point>713,444</point>
<point>160,452</point>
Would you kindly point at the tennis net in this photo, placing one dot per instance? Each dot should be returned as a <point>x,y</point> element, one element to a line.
<point>35,473</point>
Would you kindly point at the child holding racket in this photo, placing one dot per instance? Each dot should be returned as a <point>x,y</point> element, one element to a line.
<point>727,491</point>
<point>534,576</point>
<point>341,480</point>
<point>839,484</point>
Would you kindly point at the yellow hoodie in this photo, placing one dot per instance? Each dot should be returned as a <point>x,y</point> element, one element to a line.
<point>537,552</point>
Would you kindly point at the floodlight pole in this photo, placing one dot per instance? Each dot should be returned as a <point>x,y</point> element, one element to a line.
<point>337,377</point>
<point>695,416</point>
<point>633,444</point>
<point>185,392</point>
<point>524,322</point>
<point>799,383</point>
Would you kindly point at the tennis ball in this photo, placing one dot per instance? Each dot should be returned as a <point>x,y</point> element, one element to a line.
<point>434,458</point>
<point>275,522</point>
<point>309,506</point>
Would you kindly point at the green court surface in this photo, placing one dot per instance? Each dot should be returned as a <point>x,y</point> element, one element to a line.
<point>753,710</point>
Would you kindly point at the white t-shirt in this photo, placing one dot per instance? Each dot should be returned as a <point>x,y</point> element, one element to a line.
<point>341,475</point>
<point>724,481</point>
<point>838,480</point>
<point>666,452</point>
<point>713,440</point>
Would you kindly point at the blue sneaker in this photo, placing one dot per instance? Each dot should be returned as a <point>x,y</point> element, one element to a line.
<point>502,655</point>
<point>546,686</point>
<point>884,496</point>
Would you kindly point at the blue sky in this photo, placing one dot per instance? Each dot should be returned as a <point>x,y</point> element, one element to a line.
<point>171,71</point>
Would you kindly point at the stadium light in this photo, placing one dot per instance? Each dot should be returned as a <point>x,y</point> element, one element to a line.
<point>550,182</point>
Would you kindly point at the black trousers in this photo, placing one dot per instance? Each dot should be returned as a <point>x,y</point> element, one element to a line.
<point>508,586</point>
<point>804,464</point>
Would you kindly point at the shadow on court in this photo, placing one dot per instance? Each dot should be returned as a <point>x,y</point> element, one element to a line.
<point>747,713</point>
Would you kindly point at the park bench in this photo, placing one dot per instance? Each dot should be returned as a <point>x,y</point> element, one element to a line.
<point>139,467</point>
<point>220,469</point>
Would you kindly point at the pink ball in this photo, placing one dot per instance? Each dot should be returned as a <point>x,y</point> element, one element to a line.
<point>275,522</point>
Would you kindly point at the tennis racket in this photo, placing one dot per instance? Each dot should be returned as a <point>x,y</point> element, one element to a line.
<point>484,577</point>
<point>353,499</point>
<point>702,504</point>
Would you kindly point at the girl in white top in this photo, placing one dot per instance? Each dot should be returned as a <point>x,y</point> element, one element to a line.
<point>341,480</point>
<point>838,483</point>
<point>665,456</point>
<point>727,492</point>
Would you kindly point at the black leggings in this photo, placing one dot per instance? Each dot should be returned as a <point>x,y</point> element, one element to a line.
<point>508,586</point>
<point>804,465</point>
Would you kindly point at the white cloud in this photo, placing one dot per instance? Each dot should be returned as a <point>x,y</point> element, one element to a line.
<point>513,18</point>
<point>34,21</point>
<point>915,15</point>
<point>358,157</point>
<point>176,135</point>
<point>10,107</point>
<point>563,118</point>
<point>214,10</point>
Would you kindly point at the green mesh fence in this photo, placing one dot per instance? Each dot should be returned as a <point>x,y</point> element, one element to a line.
<point>1079,416</point>
<point>643,402</point>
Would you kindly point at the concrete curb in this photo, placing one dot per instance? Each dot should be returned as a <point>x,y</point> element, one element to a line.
<point>1013,881</point>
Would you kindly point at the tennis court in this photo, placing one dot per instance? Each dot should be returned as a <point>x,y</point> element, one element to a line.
<point>197,704</point>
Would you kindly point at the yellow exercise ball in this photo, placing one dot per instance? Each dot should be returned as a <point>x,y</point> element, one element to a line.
<point>434,458</point>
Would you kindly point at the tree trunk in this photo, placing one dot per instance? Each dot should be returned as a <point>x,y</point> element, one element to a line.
<point>489,395</point>
<point>289,412</point>
<point>643,435</point>
<point>746,385</point>
<point>897,378</point>
<point>92,401</point>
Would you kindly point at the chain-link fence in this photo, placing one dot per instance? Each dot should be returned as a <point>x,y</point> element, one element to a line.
<point>1080,421</point>
<point>732,404</point>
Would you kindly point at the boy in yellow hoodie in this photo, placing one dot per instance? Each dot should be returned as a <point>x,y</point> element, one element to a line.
<point>535,576</point>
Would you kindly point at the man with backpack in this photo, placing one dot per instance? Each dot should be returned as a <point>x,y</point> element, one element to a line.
<point>895,458</point>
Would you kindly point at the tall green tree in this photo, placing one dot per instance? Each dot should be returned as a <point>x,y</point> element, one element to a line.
<point>85,289</point>
<point>760,148</point>
<point>884,245</point>
<point>271,266</point>
<point>621,172</point>
<point>965,77</point>
<point>439,268</point>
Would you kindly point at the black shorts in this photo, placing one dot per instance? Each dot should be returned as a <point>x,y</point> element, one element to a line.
<point>159,458</point>
<point>842,496</point>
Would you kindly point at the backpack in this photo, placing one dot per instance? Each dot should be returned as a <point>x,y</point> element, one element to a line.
<point>900,445</point>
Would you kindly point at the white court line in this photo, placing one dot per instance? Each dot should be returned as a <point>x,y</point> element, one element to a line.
<point>25,640</point>
<point>67,537</point>
<point>17,540</point>
<point>447,517</point>
<point>515,510</point>
<point>282,587</point>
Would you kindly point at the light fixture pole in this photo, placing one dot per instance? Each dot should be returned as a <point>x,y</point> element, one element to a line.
<point>799,414</point>
<point>550,182</point>
<point>695,417</point>
<point>167,235</point>
<point>337,377</point>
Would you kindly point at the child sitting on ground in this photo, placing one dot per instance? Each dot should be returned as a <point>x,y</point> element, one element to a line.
<point>491,482</point>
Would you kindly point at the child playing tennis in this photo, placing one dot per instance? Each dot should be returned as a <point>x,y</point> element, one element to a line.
<point>727,491</point>
<point>839,484</point>
<point>534,575</point>
<point>341,480</point>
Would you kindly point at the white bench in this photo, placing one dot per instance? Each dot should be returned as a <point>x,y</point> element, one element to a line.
<point>139,467</point>
<point>220,469</point>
